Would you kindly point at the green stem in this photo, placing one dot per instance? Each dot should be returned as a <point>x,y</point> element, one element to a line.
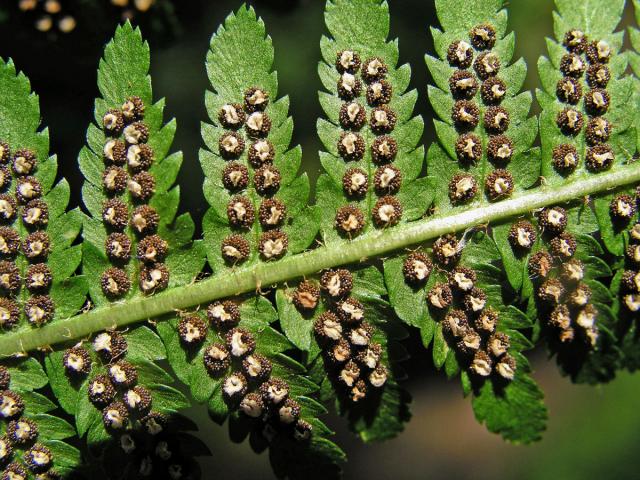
<point>241,280</point>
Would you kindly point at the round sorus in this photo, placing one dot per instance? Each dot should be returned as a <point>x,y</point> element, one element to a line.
<point>115,416</point>
<point>465,114</point>
<point>387,180</point>
<point>631,281</point>
<point>336,283</point>
<point>355,182</point>
<point>581,296</point>
<point>500,149</point>
<point>481,364</point>
<point>493,91</point>
<point>633,253</point>
<point>22,432</point>
<point>258,125</point>
<point>101,391</point>
<point>499,184</point>
<point>475,301</point>
<point>462,188</point>
<point>634,232</point>
<point>463,84</point>
<point>240,212</point>
<point>110,345</point>
<point>553,220</point>
<point>632,302</point>
<point>350,311</point>
<point>597,101</point>
<point>349,220</point>
<point>522,235</point>
<point>154,277</point>
<point>216,359</point>
<point>598,75</point>
<point>349,374</point>
<point>359,391</point>
<point>261,151</point>
<point>349,87</point>
<point>235,248</point>
<point>256,367</point>
<point>114,180</point>
<point>347,61</point>
<point>38,277</point>
<point>440,296</point>
<point>483,36</point>
<point>118,247</point>
<point>14,471</point>
<point>352,116</point>
<point>115,282</point>
<point>487,65</point>
<point>235,177</point>
<point>5,178</point>
<point>255,99</point>
<point>140,157</point>
<point>223,315</point>
<point>623,207</point>
<point>468,148</point>
<point>498,344</point>
<point>5,379</point>
<point>351,146</point>
<point>370,356</point>
<point>252,405</point>
<point>77,361</point>
<point>192,330</point>
<point>598,52</point>
<point>38,458</point>
<point>575,41</point>
<point>5,152</point>
<point>11,405</point>
<point>551,291</point>
<point>8,208</point>
<point>485,323</point>
<point>115,152</point>
<point>10,280</point>
<point>28,188</point>
<point>569,90</point>
<point>379,93</point>
<point>273,244</point>
<point>142,186</point>
<point>563,246</point>
<point>378,377</point>
<point>137,399</point>
<point>374,69</point>
<point>154,423</point>
<point>274,391</point>
<point>383,120</point>
<point>455,323</point>
<point>416,268</point>
<point>113,122</point>
<point>384,150</point>
<point>327,328</point>
<point>460,54</point>
<point>599,158</point>
<point>571,65</point>
<point>123,374</point>
<point>447,249</point>
<point>152,249</point>
<point>289,412</point>
<point>360,336</point>
<point>234,387</point>
<point>133,109</point>
<point>36,246</point>
<point>340,352</point>
<point>136,133</point>
<point>24,162</point>
<point>387,211</point>
<point>506,367</point>
<point>9,242</point>
<point>115,213</point>
<point>598,130</point>
<point>496,120</point>
<point>560,317</point>
<point>231,116</point>
<point>231,145</point>
<point>6,451</point>
<point>540,264</point>
<point>469,342</point>
<point>272,213</point>
<point>565,158</point>
<point>306,296</point>
<point>266,180</point>
<point>144,220</point>
<point>462,279</point>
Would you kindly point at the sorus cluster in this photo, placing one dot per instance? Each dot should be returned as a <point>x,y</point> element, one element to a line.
<point>469,325</point>
<point>561,292</point>
<point>247,383</point>
<point>630,284</point>
<point>128,158</point>
<point>48,15</point>
<point>479,75</point>
<point>22,455</point>
<point>25,278</point>
<point>590,57</point>
<point>252,114</point>
<point>363,83</point>
<point>354,360</point>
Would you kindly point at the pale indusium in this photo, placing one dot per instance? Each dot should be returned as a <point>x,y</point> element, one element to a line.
<point>523,231</point>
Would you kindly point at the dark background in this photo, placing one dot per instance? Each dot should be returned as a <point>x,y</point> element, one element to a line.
<point>593,432</point>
